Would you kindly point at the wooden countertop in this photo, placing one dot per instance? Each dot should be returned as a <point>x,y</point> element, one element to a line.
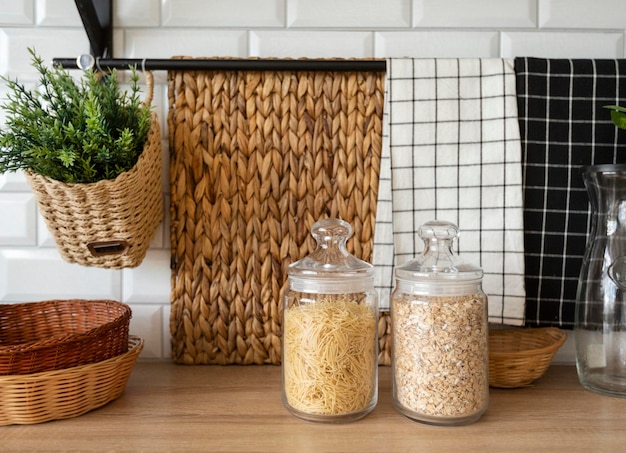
<point>177,408</point>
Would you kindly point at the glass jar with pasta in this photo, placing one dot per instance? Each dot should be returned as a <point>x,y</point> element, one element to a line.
<point>330,344</point>
<point>439,357</point>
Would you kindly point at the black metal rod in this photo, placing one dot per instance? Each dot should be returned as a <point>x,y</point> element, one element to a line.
<point>243,64</point>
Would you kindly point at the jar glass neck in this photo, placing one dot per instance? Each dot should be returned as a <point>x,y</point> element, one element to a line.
<point>447,287</point>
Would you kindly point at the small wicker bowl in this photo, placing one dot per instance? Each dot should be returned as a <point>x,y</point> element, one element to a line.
<point>67,393</point>
<point>58,334</point>
<point>518,357</point>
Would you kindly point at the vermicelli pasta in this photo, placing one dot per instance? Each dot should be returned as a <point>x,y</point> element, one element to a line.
<point>329,362</point>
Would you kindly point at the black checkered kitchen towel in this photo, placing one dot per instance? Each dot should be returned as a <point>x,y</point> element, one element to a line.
<point>563,126</point>
<point>454,148</point>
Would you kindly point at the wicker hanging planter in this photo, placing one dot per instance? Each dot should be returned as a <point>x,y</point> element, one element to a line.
<point>109,223</point>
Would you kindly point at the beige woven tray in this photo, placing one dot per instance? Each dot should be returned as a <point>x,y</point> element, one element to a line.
<point>66,393</point>
<point>256,157</point>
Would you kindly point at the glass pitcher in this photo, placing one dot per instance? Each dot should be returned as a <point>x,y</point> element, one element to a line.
<point>600,320</point>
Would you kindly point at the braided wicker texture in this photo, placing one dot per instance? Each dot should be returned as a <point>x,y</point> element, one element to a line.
<point>109,223</point>
<point>66,393</point>
<point>518,357</point>
<point>255,159</point>
<point>55,334</point>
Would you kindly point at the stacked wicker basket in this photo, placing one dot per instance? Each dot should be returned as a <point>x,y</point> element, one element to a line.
<point>62,358</point>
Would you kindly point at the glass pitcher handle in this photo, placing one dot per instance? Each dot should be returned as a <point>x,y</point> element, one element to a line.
<point>617,272</point>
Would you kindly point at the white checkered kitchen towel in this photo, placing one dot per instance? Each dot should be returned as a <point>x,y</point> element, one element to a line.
<point>451,151</point>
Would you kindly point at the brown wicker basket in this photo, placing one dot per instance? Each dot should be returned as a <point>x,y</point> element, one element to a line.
<point>56,334</point>
<point>518,357</point>
<point>256,157</point>
<point>66,393</point>
<point>109,223</point>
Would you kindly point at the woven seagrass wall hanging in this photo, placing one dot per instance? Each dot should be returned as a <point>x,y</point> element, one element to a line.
<point>256,157</point>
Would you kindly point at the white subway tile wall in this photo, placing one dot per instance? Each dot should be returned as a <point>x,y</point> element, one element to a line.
<point>599,14</point>
<point>31,268</point>
<point>349,14</point>
<point>139,13</point>
<point>318,44</point>
<point>218,14</point>
<point>61,13</point>
<point>475,14</point>
<point>20,208</point>
<point>17,13</point>
<point>554,44</point>
<point>437,43</point>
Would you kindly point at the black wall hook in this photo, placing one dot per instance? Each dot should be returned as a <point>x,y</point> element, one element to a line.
<point>97,17</point>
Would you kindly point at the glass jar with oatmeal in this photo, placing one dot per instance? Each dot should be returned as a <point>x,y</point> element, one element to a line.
<point>330,342</point>
<point>439,358</point>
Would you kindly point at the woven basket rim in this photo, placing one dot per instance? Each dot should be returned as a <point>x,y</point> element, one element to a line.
<point>124,312</point>
<point>135,346</point>
<point>557,335</point>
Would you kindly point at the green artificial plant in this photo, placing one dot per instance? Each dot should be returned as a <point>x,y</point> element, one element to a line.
<point>70,130</point>
<point>618,115</point>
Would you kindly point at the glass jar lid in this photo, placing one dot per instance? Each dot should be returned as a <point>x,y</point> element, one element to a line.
<point>331,269</point>
<point>438,261</point>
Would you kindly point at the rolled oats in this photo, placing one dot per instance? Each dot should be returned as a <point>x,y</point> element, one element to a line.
<point>439,356</point>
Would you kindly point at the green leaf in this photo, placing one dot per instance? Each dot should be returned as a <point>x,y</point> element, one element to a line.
<point>67,157</point>
<point>615,107</point>
<point>619,119</point>
<point>618,115</point>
